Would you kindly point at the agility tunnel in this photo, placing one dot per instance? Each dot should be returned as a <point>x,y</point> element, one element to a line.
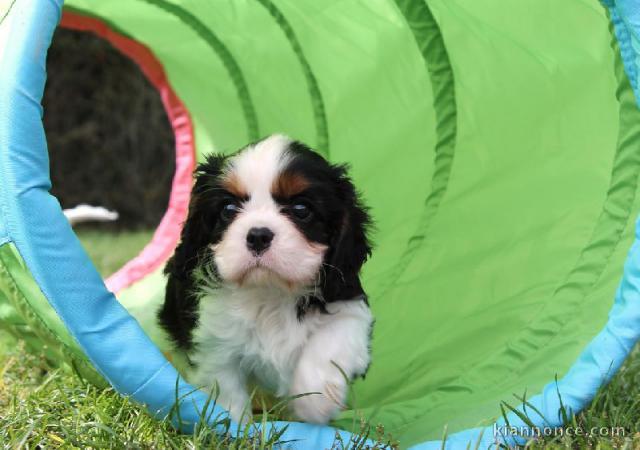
<point>498,144</point>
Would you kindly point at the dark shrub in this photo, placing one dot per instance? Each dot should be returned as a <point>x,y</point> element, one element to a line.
<point>110,141</point>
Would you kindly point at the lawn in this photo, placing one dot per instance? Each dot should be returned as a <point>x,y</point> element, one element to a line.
<point>46,407</point>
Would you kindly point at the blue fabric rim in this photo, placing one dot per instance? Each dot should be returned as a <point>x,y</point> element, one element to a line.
<point>113,340</point>
<point>625,16</point>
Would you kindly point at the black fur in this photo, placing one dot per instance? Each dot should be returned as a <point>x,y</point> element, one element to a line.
<point>339,221</point>
<point>178,315</point>
<point>343,224</point>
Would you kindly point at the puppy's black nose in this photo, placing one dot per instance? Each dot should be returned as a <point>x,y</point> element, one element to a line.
<point>259,239</point>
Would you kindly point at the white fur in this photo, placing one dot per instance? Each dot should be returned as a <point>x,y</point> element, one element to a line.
<point>337,347</point>
<point>253,333</point>
<point>291,260</point>
<point>258,165</point>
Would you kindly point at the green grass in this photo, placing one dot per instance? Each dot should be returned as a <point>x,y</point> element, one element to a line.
<point>46,407</point>
<point>109,251</point>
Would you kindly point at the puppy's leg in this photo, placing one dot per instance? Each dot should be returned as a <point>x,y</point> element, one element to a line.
<point>339,348</point>
<point>228,386</point>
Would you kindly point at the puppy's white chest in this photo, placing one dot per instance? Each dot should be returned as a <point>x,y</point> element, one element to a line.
<point>256,330</point>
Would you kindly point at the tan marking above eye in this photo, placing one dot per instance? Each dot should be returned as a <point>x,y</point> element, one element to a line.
<point>231,182</point>
<point>288,184</point>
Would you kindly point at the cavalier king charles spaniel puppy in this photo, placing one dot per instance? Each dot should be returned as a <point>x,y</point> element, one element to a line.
<point>264,286</point>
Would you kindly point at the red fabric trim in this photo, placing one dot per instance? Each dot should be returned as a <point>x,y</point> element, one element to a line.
<point>167,234</point>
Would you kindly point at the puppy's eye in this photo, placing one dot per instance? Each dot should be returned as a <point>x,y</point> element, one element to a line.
<point>301,211</point>
<point>229,211</point>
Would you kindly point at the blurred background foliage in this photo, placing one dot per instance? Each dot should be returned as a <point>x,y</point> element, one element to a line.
<point>110,141</point>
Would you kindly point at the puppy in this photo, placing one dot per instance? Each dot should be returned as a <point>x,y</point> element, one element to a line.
<point>264,286</point>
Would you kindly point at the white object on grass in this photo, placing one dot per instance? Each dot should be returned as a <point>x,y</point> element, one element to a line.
<point>87,213</point>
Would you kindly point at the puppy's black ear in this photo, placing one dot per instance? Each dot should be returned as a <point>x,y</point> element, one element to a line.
<point>178,314</point>
<point>196,232</point>
<point>349,245</point>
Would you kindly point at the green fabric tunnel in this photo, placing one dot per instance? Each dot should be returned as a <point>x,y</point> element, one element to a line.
<point>496,143</point>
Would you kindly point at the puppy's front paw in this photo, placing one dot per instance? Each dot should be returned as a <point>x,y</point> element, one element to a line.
<point>238,406</point>
<point>325,395</point>
<point>240,413</point>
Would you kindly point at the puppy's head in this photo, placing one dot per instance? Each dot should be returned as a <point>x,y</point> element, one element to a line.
<point>275,214</point>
